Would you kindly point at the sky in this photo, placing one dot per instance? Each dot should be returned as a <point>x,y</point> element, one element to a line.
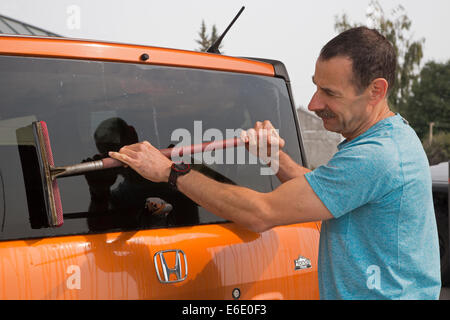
<point>292,31</point>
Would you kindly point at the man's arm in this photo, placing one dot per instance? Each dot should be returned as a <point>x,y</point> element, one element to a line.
<point>292,202</point>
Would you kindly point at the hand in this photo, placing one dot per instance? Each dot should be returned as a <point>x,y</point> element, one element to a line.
<point>262,140</point>
<point>146,160</point>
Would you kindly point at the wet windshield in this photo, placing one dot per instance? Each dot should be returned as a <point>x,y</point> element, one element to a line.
<point>92,107</point>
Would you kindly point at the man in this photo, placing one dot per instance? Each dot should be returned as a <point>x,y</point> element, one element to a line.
<point>379,236</point>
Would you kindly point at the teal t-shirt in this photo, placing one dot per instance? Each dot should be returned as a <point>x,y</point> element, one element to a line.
<point>382,242</point>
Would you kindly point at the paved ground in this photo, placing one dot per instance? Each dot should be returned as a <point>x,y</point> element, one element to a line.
<point>445,293</point>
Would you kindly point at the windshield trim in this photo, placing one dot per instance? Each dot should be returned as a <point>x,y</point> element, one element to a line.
<point>104,51</point>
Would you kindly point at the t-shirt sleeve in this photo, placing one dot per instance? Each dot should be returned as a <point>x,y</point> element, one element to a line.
<point>353,178</point>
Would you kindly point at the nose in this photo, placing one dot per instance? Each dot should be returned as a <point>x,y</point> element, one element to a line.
<point>315,103</point>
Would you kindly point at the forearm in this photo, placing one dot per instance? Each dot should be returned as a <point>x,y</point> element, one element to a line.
<point>288,168</point>
<point>241,205</point>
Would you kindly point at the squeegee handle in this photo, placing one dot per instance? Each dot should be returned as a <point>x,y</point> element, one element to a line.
<point>180,151</point>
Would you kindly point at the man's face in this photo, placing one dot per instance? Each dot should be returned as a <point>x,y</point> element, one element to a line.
<point>336,100</point>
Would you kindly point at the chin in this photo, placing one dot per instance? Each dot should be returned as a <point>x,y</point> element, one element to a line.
<point>329,126</point>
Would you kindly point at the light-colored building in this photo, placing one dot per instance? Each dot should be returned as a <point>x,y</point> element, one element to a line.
<point>320,144</point>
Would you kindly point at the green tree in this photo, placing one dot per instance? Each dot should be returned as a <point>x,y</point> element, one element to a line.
<point>409,52</point>
<point>430,100</point>
<point>214,35</point>
<point>205,41</point>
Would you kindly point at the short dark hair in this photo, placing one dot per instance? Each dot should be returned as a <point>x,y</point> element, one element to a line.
<point>372,55</point>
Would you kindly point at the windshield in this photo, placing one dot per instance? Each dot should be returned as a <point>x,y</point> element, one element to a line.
<point>92,107</point>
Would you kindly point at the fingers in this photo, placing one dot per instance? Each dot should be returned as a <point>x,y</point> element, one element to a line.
<point>141,146</point>
<point>252,136</point>
<point>129,154</point>
<point>262,136</point>
<point>267,125</point>
<point>129,151</point>
<point>121,157</point>
<point>132,150</point>
<point>263,131</point>
<point>244,136</point>
<point>273,136</point>
<point>258,125</point>
<point>275,139</point>
<point>249,136</point>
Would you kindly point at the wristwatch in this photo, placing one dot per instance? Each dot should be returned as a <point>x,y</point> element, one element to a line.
<point>177,169</point>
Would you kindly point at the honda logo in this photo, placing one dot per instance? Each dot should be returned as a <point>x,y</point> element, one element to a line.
<point>180,270</point>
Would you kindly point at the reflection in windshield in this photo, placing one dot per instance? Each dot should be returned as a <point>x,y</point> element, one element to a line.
<point>92,106</point>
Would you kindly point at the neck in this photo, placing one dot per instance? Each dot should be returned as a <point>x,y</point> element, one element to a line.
<point>379,113</point>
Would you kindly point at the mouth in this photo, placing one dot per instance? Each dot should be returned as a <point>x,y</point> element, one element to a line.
<point>325,114</point>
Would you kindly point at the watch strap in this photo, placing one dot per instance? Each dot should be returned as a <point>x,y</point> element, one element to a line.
<point>177,170</point>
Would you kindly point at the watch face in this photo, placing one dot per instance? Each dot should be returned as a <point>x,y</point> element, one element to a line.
<point>181,167</point>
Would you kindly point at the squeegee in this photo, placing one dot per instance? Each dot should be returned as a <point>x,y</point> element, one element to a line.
<point>50,172</point>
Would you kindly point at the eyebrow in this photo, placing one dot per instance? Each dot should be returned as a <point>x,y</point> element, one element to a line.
<point>327,90</point>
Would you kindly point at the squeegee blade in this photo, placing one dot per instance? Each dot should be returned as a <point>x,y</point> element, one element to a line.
<point>52,196</point>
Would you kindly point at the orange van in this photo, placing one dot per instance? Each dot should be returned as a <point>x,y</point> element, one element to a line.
<point>96,97</point>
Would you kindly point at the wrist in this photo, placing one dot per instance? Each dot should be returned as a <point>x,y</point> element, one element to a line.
<point>178,170</point>
<point>167,172</point>
<point>274,158</point>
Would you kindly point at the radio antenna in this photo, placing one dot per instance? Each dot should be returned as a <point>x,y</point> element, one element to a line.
<point>215,47</point>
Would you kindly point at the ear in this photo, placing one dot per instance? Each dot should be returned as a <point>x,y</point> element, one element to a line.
<point>378,90</point>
